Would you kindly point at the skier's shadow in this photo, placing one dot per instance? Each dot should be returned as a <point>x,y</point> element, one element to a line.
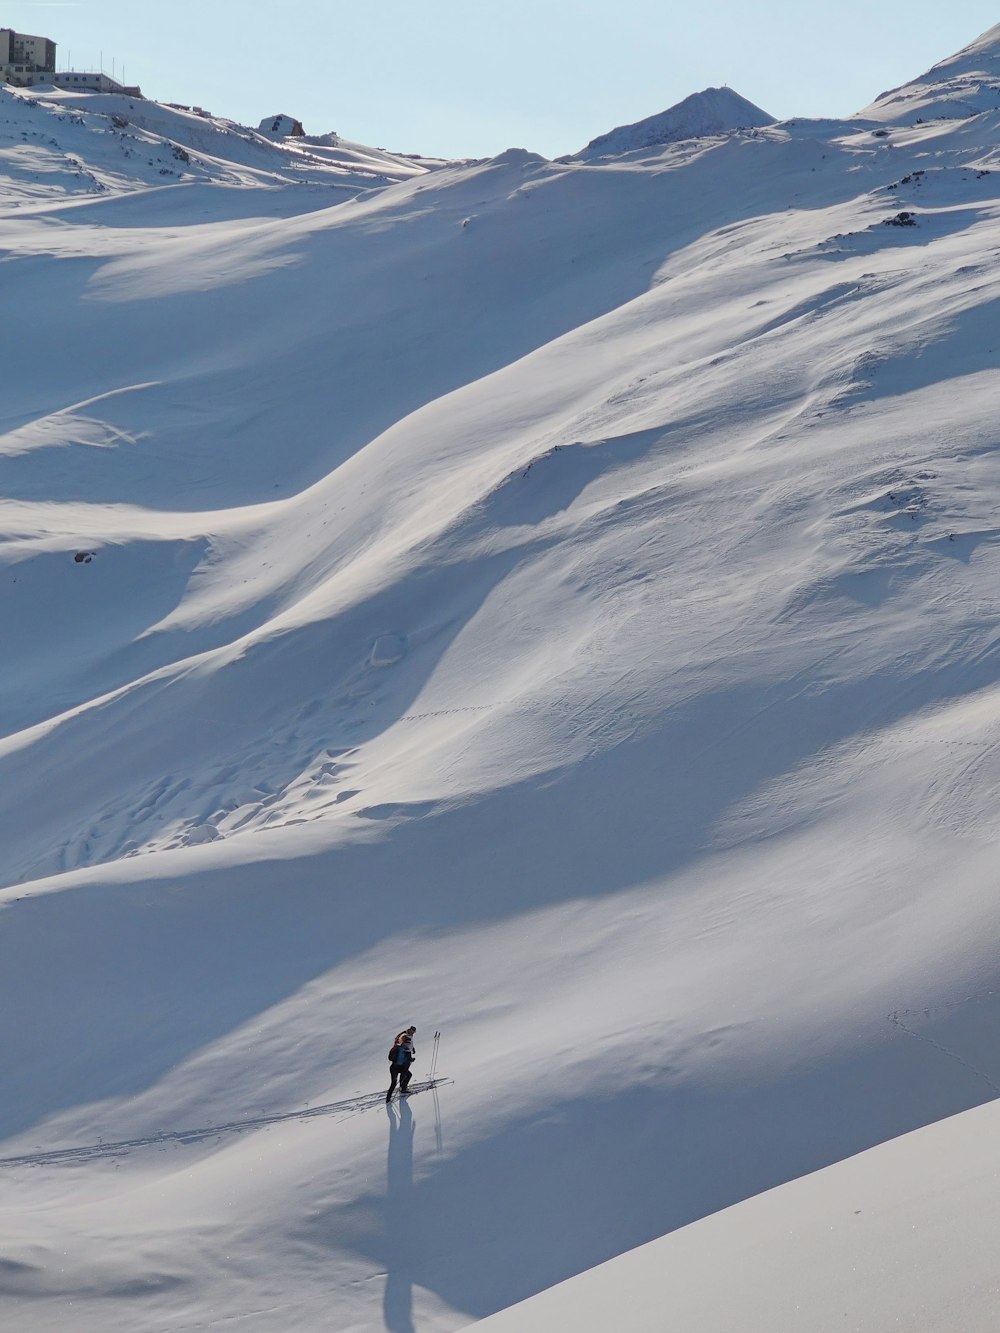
<point>397,1307</point>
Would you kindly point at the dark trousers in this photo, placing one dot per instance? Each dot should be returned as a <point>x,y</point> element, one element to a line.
<point>401,1072</point>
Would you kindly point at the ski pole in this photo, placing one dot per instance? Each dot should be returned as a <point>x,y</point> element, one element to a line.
<point>434,1056</point>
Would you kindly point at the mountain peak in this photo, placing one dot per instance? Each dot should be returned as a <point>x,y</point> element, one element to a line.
<point>712,111</point>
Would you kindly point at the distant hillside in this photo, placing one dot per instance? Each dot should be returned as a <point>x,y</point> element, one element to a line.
<point>55,144</point>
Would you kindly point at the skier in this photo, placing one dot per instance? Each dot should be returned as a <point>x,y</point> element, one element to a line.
<point>401,1057</point>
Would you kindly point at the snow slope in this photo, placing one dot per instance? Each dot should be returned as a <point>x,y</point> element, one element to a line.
<point>898,1237</point>
<point>553,603</point>
<point>60,145</point>
<point>711,112</point>
<point>966,84</point>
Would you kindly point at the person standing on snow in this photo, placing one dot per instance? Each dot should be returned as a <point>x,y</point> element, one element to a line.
<point>401,1057</point>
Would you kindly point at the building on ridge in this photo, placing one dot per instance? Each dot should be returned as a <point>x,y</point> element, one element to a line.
<point>81,81</point>
<point>26,60</point>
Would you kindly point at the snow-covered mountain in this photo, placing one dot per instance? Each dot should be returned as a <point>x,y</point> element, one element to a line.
<point>966,84</point>
<point>711,112</point>
<point>58,145</point>
<point>550,603</point>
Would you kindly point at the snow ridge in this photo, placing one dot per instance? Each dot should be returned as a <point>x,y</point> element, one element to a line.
<point>58,145</point>
<point>965,84</point>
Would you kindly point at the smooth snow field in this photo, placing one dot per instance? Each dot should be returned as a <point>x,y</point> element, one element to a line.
<point>556,604</point>
<point>901,1237</point>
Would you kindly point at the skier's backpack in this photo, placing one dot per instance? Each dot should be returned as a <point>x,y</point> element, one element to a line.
<point>392,1053</point>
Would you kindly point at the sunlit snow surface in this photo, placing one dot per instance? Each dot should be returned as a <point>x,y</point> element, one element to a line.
<point>552,603</point>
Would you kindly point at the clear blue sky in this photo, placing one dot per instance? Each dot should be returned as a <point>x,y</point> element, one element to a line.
<point>472,77</point>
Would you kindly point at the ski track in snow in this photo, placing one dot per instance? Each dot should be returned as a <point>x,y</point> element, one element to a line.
<point>211,1133</point>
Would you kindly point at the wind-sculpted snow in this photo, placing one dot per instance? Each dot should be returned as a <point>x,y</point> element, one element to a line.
<point>552,603</point>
